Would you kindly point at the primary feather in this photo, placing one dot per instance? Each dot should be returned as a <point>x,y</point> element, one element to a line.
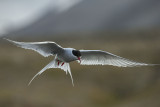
<point>97,57</point>
<point>44,48</point>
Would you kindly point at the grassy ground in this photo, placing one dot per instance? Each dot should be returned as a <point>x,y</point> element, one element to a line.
<point>95,86</point>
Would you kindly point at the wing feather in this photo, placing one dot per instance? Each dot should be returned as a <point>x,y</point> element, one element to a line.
<point>97,57</point>
<point>44,48</point>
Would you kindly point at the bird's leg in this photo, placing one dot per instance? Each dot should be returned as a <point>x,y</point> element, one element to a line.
<point>58,62</point>
<point>62,64</point>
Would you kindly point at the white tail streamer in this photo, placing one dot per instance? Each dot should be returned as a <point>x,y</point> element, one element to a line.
<point>54,64</point>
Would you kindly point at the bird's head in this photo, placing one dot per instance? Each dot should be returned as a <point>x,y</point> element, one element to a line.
<point>77,53</point>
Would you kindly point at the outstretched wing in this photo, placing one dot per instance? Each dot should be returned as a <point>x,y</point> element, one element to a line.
<point>54,64</point>
<point>44,48</point>
<point>97,57</point>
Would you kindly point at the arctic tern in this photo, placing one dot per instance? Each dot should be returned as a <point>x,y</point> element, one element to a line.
<point>63,56</point>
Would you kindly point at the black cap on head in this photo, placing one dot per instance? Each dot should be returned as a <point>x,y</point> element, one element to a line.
<point>76,53</point>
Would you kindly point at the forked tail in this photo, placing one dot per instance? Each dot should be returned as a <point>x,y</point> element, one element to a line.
<point>54,64</point>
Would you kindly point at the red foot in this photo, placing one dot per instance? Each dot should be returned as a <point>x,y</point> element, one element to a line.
<point>62,64</point>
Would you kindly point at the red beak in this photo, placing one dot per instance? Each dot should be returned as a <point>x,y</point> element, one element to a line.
<point>79,59</point>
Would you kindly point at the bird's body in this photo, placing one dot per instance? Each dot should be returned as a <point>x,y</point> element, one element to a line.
<point>66,55</point>
<point>63,56</point>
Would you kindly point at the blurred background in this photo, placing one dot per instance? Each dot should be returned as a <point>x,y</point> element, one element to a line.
<point>128,28</point>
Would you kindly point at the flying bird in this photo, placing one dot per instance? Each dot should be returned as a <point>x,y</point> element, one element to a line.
<point>63,56</point>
